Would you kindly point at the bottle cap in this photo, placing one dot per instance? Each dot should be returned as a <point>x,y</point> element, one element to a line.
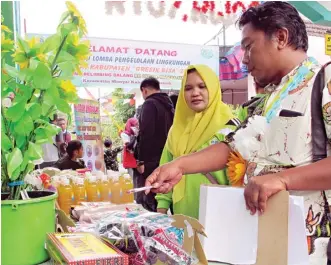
<point>79,181</point>
<point>104,178</point>
<point>56,178</point>
<point>127,176</point>
<point>65,181</point>
<point>92,178</point>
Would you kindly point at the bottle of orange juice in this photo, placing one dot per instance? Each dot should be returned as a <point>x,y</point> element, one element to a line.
<point>104,189</point>
<point>99,185</point>
<point>116,192</point>
<point>92,189</point>
<point>79,190</point>
<point>56,181</point>
<point>110,175</point>
<point>127,185</point>
<point>66,197</point>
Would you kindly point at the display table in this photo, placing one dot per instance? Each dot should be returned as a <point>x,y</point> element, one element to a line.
<point>209,263</point>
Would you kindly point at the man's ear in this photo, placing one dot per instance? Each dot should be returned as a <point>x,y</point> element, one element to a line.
<point>282,37</point>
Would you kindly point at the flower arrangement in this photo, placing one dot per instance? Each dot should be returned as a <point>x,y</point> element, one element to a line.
<point>38,87</point>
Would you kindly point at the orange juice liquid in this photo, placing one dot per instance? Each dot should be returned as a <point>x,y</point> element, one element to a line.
<point>92,190</point>
<point>116,192</point>
<point>110,186</point>
<point>99,185</point>
<point>79,191</point>
<point>104,189</point>
<point>126,185</point>
<point>66,197</point>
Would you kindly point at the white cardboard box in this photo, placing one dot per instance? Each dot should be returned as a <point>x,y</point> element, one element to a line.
<point>235,237</point>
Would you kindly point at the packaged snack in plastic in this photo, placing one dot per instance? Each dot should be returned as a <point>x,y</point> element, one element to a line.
<point>146,237</point>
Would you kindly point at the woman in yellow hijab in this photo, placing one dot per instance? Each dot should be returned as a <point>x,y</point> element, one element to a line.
<point>201,119</point>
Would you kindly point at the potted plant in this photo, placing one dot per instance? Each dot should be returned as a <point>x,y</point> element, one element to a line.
<point>39,86</point>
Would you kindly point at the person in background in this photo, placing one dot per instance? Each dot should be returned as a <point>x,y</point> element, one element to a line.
<point>72,160</point>
<point>110,155</point>
<point>62,123</point>
<point>129,139</point>
<point>275,43</point>
<point>248,107</point>
<point>51,150</point>
<point>155,121</point>
<point>174,98</point>
<point>201,119</point>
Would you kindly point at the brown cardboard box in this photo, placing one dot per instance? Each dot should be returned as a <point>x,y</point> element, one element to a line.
<point>272,227</point>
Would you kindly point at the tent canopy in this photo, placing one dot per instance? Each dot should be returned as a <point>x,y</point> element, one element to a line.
<point>318,12</point>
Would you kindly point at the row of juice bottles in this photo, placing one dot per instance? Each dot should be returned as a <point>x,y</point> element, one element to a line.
<point>112,188</point>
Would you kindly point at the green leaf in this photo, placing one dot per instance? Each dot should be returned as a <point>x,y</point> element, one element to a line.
<point>20,141</point>
<point>67,28</point>
<point>20,57</point>
<point>16,174</point>
<point>34,151</point>
<point>25,92</point>
<point>83,49</point>
<point>14,161</point>
<point>25,161</point>
<point>67,68</point>
<point>33,64</point>
<point>26,74</point>
<point>30,166</point>
<point>24,126</point>
<point>45,108</point>
<point>64,16</point>
<point>12,71</point>
<point>15,112</point>
<point>66,57</point>
<point>63,106</point>
<point>42,136</point>
<point>51,43</point>
<point>6,144</point>
<point>34,110</point>
<point>51,130</point>
<point>52,94</point>
<point>42,77</point>
<point>23,44</point>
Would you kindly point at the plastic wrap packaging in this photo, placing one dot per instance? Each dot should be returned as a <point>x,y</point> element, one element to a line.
<point>148,238</point>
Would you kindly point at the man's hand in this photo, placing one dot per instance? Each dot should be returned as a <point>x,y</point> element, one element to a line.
<point>141,169</point>
<point>164,178</point>
<point>260,189</point>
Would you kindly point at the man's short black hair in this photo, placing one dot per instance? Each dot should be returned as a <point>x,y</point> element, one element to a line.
<point>108,143</point>
<point>55,117</point>
<point>272,16</point>
<point>150,83</point>
<point>73,146</point>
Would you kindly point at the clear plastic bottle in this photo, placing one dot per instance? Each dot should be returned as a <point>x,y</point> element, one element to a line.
<point>99,185</point>
<point>92,189</point>
<point>56,181</point>
<point>126,186</point>
<point>66,197</point>
<point>104,189</point>
<point>116,192</point>
<point>110,182</point>
<point>79,190</point>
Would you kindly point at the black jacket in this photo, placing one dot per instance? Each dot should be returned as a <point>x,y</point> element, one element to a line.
<point>156,118</point>
<point>66,163</point>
